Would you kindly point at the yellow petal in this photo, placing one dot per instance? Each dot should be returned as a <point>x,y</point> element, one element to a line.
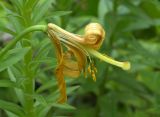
<point>123,65</point>
<point>59,70</point>
<point>80,57</point>
<point>94,35</point>
<point>71,68</point>
<point>61,84</point>
<point>57,45</point>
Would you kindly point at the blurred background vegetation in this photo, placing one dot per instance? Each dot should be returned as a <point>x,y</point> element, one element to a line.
<point>132,33</point>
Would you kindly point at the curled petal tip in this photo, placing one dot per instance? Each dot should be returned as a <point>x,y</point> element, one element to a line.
<point>126,66</point>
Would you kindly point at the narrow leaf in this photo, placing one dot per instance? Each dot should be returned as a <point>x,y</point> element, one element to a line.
<point>7,83</point>
<point>12,57</point>
<point>41,10</point>
<point>12,108</point>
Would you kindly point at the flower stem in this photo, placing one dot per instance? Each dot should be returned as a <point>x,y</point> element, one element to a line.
<point>29,87</point>
<point>21,35</point>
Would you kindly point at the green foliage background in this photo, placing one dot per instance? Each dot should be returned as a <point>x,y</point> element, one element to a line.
<point>132,33</point>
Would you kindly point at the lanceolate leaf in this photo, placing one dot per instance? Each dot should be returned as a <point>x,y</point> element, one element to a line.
<point>59,13</point>
<point>12,57</point>
<point>7,83</point>
<point>41,10</point>
<point>44,106</point>
<point>12,108</point>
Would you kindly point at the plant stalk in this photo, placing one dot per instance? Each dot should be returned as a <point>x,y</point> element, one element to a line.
<point>29,87</point>
<point>21,35</point>
<point>29,84</point>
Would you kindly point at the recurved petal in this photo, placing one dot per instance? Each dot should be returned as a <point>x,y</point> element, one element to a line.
<point>61,84</point>
<point>57,45</point>
<point>71,68</point>
<point>80,56</point>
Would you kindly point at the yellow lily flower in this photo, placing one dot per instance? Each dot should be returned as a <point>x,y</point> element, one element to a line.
<point>79,48</point>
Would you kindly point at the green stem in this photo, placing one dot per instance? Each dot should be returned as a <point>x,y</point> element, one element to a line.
<point>29,84</point>
<point>29,87</point>
<point>21,35</point>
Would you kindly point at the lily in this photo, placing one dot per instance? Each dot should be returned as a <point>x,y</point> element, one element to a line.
<point>76,56</point>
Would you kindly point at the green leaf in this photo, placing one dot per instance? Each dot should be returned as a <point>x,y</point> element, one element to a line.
<point>58,13</point>
<point>14,18</point>
<point>108,106</point>
<point>128,81</point>
<point>45,110</point>
<point>12,57</point>
<point>7,83</point>
<point>40,11</point>
<point>71,89</point>
<point>43,50</point>
<point>42,112</point>
<point>104,7</point>
<point>146,55</point>
<point>12,108</point>
<point>17,3</point>
<point>31,3</point>
<point>8,30</point>
<point>44,106</point>
<point>63,106</point>
<point>41,56</point>
<point>151,8</point>
<point>10,114</point>
<point>47,85</point>
<point>18,91</point>
<point>150,79</point>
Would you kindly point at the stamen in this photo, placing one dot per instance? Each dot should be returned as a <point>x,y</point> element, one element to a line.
<point>93,76</point>
<point>95,69</point>
<point>89,69</point>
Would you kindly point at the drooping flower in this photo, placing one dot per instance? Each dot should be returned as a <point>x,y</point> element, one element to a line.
<point>77,57</point>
